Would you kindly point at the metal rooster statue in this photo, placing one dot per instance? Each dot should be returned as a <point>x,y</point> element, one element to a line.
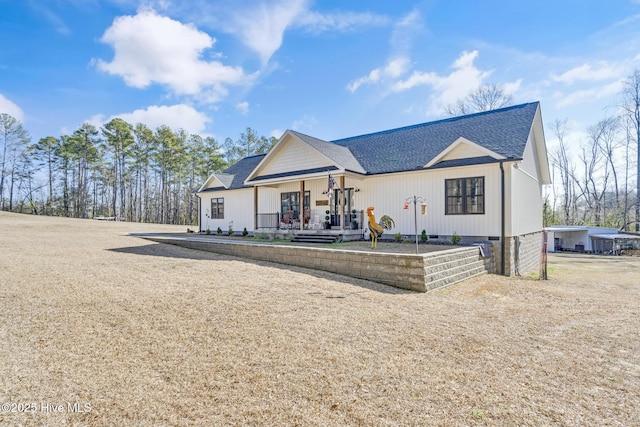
<point>376,229</point>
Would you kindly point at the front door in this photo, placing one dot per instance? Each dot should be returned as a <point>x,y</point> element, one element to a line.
<point>347,201</point>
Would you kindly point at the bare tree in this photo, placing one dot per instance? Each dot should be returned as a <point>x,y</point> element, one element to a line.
<point>484,98</point>
<point>631,108</point>
<point>13,142</point>
<point>628,141</point>
<point>608,142</point>
<point>561,160</point>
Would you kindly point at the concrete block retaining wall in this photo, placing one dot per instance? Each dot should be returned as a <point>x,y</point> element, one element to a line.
<point>525,259</point>
<point>421,273</point>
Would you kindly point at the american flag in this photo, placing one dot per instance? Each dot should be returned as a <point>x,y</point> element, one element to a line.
<point>332,183</point>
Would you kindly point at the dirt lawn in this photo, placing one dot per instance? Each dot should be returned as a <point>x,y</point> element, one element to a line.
<point>101,328</point>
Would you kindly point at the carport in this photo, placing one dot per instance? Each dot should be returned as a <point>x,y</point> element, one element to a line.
<point>614,244</point>
<point>574,237</point>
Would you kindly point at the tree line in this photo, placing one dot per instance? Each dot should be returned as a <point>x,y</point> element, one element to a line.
<point>120,170</point>
<point>597,182</point>
<point>134,173</point>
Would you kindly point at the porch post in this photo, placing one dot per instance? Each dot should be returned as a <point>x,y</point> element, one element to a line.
<point>255,208</point>
<point>342,203</point>
<point>302,206</point>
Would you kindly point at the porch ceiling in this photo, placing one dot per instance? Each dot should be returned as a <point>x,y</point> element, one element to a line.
<point>306,174</point>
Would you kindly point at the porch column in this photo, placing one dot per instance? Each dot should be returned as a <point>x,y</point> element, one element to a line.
<point>302,206</point>
<point>255,208</point>
<point>341,203</point>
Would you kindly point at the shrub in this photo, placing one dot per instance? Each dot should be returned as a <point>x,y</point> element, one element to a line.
<point>424,237</point>
<point>245,233</point>
<point>219,231</point>
<point>455,239</point>
<point>397,237</point>
<point>208,231</point>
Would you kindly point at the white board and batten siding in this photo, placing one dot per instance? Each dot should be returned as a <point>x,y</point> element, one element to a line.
<point>388,194</point>
<point>525,193</point>
<point>238,207</point>
<point>269,198</point>
<point>293,152</point>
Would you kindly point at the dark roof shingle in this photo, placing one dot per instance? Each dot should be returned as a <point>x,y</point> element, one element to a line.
<point>242,169</point>
<point>504,131</point>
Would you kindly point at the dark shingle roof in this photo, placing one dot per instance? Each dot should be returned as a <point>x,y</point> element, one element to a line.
<point>504,131</point>
<point>241,170</point>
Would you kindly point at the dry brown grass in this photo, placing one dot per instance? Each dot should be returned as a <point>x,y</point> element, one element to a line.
<point>152,334</point>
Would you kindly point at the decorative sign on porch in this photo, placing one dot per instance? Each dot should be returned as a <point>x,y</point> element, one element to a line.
<point>322,202</point>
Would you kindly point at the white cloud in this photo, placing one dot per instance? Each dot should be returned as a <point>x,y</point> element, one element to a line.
<point>404,31</point>
<point>464,78</point>
<point>306,123</point>
<point>399,62</point>
<point>394,69</point>
<point>243,107</point>
<point>150,48</point>
<point>276,133</point>
<point>55,21</point>
<point>262,26</point>
<point>586,72</point>
<point>588,95</point>
<point>11,108</point>
<point>339,21</point>
<point>179,116</point>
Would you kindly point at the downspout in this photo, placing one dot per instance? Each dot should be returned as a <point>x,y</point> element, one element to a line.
<point>199,213</point>
<point>503,220</point>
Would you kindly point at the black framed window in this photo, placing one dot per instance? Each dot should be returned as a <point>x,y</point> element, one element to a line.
<point>464,196</point>
<point>291,202</point>
<point>217,208</point>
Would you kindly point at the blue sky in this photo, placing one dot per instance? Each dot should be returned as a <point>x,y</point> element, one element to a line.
<point>331,69</point>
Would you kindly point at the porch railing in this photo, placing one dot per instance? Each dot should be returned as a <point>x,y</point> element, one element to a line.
<point>274,221</point>
<point>268,220</point>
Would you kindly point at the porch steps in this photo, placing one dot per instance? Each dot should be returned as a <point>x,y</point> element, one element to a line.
<point>452,266</point>
<point>316,238</point>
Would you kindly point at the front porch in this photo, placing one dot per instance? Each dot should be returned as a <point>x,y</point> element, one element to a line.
<point>311,221</point>
<point>286,227</point>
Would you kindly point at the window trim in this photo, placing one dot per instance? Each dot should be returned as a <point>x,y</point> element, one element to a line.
<point>463,198</point>
<point>307,202</point>
<point>217,212</point>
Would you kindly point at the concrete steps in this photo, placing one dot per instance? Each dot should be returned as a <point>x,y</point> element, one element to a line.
<point>315,238</point>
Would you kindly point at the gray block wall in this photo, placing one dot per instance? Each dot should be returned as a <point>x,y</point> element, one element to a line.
<point>422,273</point>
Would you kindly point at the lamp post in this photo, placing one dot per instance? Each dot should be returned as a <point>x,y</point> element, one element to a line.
<point>415,200</point>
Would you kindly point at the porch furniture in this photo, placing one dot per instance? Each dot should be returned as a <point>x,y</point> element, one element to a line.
<point>315,224</point>
<point>287,219</point>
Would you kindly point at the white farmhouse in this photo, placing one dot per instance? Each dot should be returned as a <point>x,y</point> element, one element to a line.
<point>481,177</point>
